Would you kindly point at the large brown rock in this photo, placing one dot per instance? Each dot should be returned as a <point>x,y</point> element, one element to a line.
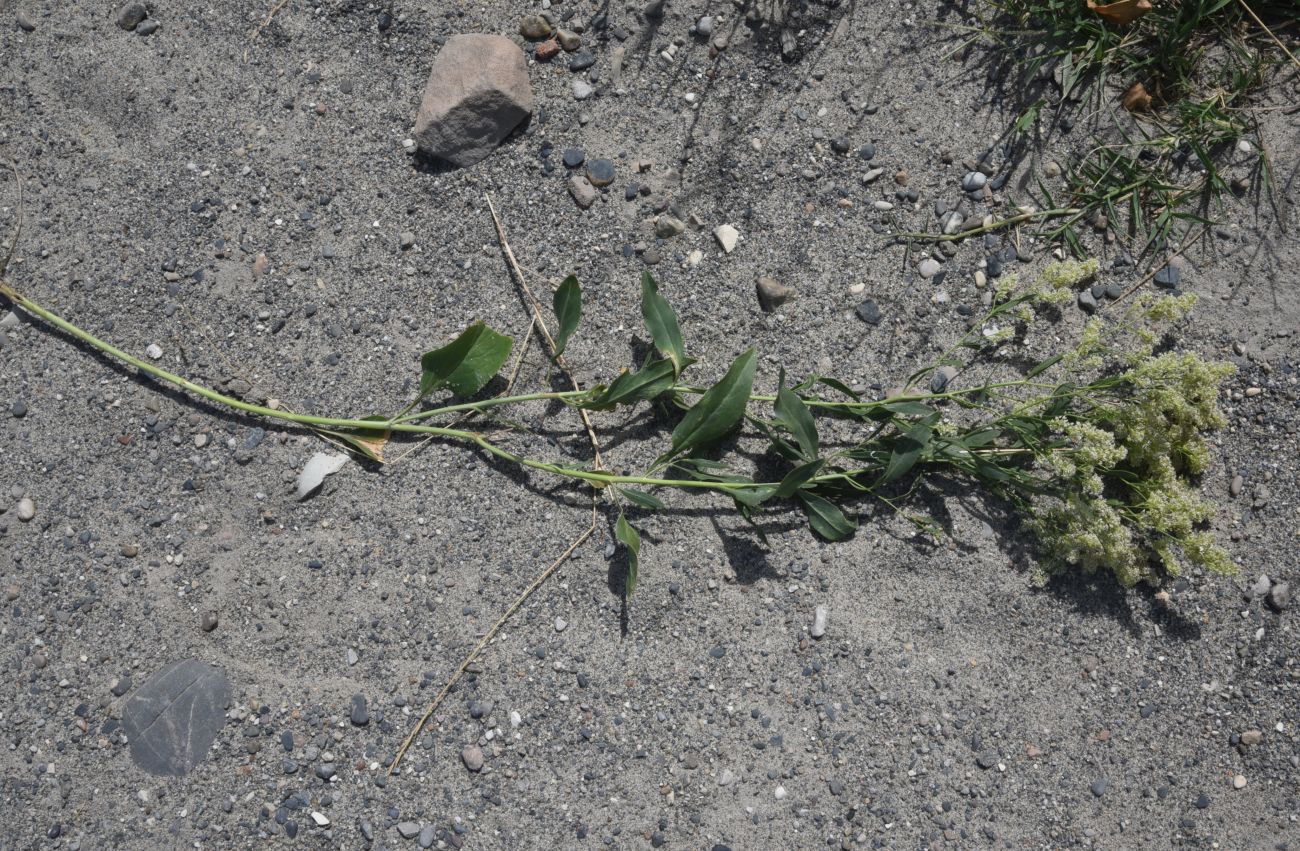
<point>478,91</point>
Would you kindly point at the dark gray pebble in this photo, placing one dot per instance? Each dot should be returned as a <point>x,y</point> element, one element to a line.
<point>581,61</point>
<point>1168,277</point>
<point>360,713</point>
<point>600,172</point>
<point>574,157</point>
<point>868,312</point>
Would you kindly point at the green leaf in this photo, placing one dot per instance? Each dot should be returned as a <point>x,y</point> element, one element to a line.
<point>825,518</point>
<point>631,539</point>
<point>467,363</point>
<point>975,440</point>
<point>907,449</point>
<point>798,477</point>
<point>1042,366</point>
<point>907,408</point>
<point>630,387</point>
<point>753,497</point>
<point>642,498</point>
<point>661,322</point>
<point>791,411</point>
<point>719,410</point>
<point>369,442</point>
<point>567,302</point>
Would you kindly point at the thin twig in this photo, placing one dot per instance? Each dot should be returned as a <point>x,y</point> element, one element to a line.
<point>541,326</point>
<point>275,10</point>
<point>489,635</point>
<point>1276,40</point>
<point>992,226</point>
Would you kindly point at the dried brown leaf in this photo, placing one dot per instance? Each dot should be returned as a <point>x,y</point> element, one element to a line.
<point>1136,99</point>
<point>1123,12</point>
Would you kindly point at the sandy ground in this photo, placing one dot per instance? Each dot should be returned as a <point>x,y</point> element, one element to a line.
<point>951,703</point>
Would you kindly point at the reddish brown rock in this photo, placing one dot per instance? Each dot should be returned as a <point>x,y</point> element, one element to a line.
<point>547,50</point>
<point>478,91</point>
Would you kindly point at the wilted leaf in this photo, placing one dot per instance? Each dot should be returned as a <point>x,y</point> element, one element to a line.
<point>661,322</point>
<point>369,442</point>
<point>1136,99</point>
<point>826,519</point>
<point>568,311</point>
<point>1123,12</point>
<point>467,363</point>
<point>631,539</point>
<point>316,469</point>
<point>717,413</point>
<point>794,415</point>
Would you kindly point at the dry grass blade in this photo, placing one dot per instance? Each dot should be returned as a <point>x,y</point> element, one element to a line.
<point>1269,32</point>
<point>488,636</point>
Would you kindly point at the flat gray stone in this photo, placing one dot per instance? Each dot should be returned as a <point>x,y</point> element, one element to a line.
<point>175,716</point>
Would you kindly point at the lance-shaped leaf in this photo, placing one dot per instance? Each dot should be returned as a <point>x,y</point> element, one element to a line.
<point>641,498</point>
<point>907,449</point>
<point>630,538</point>
<point>568,311</point>
<point>826,519</point>
<point>717,413</point>
<point>798,477</point>
<point>661,322</point>
<point>467,363</point>
<point>792,413</point>
<point>643,385</point>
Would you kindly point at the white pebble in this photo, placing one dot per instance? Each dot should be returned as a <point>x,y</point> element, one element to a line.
<point>561,624</point>
<point>1239,782</point>
<point>726,235</point>
<point>154,351</point>
<point>516,719</point>
<point>820,614</point>
<point>780,793</point>
<point>26,509</point>
<point>321,819</point>
<point>928,268</point>
<point>1245,147</point>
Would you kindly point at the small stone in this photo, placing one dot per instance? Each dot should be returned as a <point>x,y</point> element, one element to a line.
<point>1052,169</point>
<point>321,819</point>
<point>535,27</point>
<point>547,50</point>
<point>820,615</point>
<point>569,40</point>
<point>1279,596</point>
<point>667,227</point>
<point>561,624</point>
<point>600,172</point>
<point>428,834</point>
<point>172,720</point>
<point>582,89</point>
<point>952,222</point>
<point>353,657</point>
<point>987,760</point>
<point>150,26</point>
<point>26,509</point>
<point>1251,738</point>
<point>408,829</point>
<point>209,621</point>
<point>726,777</point>
<point>477,93</point>
<point>1202,801</point>
<point>584,194</point>
<point>928,268</point>
<point>472,756</point>
<point>772,293</point>
<point>130,16</point>
<point>360,712</point>
<point>1167,277</point>
<point>326,771</point>
<point>18,409</point>
<point>1099,786</point>
<point>941,378</point>
<point>1087,302</point>
<point>867,152</point>
<point>406,240</point>
<point>869,312</point>
<point>974,181</point>
<point>726,235</point>
<point>1235,486</point>
<point>25,23</point>
<point>581,61</point>
<point>780,793</point>
<point>901,177</point>
<point>1239,781</point>
<point>573,157</point>
<point>154,351</point>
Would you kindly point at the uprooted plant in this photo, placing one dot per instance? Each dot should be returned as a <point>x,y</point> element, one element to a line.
<point>1099,460</point>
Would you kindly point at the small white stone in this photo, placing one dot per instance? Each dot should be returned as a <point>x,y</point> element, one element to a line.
<point>353,657</point>
<point>1245,147</point>
<point>321,819</point>
<point>981,280</point>
<point>780,793</point>
<point>883,206</point>
<point>582,90</point>
<point>154,351</point>
<point>561,624</point>
<point>858,288</point>
<point>1239,782</point>
<point>726,235</point>
<point>26,509</point>
<point>928,268</point>
<point>694,258</point>
<point>516,719</point>
<point>872,175</point>
<point>820,615</point>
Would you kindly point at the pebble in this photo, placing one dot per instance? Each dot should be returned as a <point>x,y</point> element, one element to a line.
<point>1239,781</point>
<point>772,293</point>
<point>574,157</point>
<point>1167,277</point>
<point>408,829</point>
<point>24,22</point>
<point>882,205</point>
<point>582,60</point>
<point>582,90</point>
<point>353,657</point>
<point>867,151</point>
<point>928,268</point>
<point>406,240</point>
<point>726,777</point>
<point>535,27</point>
<point>472,756</point>
<point>1235,486</point>
<point>780,793</point>
<point>26,509</point>
<point>1252,737</point>
<point>130,15</point>
<point>569,40</point>
<point>869,312</point>
<point>150,26</point>
<point>360,712</point>
<point>584,194</point>
<point>820,614</point>
<point>941,378</point>
<point>154,351</point>
<point>209,621</point>
<point>1279,596</point>
<point>1099,786</point>
<point>704,26</point>
<point>18,409</point>
<point>726,235</point>
<point>600,172</point>
<point>667,227</point>
<point>321,819</point>
<point>1087,302</point>
<point>1052,169</point>
<point>974,181</point>
<point>561,624</point>
<point>427,836</point>
<point>547,50</point>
